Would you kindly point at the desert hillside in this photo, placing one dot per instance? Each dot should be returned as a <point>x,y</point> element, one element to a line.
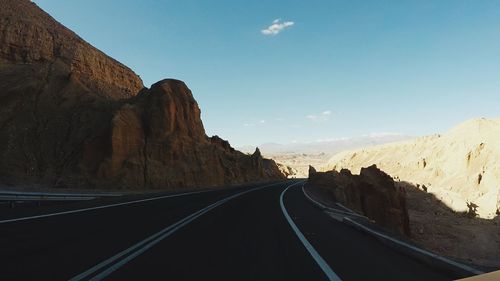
<point>299,156</point>
<point>459,167</point>
<point>71,116</point>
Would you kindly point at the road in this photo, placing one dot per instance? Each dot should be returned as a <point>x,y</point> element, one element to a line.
<point>229,234</point>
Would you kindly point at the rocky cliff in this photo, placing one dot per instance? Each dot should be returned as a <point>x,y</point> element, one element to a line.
<point>72,116</point>
<point>460,167</point>
<point>30,36</point>
<point>371,193</point>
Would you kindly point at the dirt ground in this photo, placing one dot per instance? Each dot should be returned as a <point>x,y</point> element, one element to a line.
<point>458,235</point>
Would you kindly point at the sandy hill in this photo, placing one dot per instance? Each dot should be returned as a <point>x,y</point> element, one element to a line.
<point>72,116</point>
<point>461,167</point>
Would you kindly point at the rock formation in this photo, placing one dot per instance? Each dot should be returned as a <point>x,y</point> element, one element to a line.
<point>312,170</point>
<point>30,37</point>
<point>460,168</point>
<point>288,171</point>
<point>372,193</point>
<point>72,116</point>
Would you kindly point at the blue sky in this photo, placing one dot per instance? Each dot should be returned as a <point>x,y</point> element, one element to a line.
<point>335,69</point>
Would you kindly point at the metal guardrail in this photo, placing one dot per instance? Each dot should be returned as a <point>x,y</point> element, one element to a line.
<point>399,245</point>
<point>49,196</point>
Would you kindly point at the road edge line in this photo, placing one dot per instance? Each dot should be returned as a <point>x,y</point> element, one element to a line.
<point>327,270</point>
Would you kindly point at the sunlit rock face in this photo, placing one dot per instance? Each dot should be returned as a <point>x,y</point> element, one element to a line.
<point>72,116</point>
<point>460,167</point>
<point>372,193</point>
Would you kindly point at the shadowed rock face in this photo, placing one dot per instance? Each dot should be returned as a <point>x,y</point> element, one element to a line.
<point>158,140</point>
<point>72,116</point>
<point>372,193</point>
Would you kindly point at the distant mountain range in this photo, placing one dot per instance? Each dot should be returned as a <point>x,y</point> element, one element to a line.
<point>330,147</point>
<point>299,156</point>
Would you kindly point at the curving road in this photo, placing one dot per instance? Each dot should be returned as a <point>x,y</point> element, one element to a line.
<point>256,232</point>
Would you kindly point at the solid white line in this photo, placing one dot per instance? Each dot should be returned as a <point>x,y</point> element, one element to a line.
<point>100,207</point>
<point>462,266</point>
<point>139,248</point>
<point>315,255</point>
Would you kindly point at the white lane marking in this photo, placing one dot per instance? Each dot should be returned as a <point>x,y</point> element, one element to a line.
<point>101,207</point>
<point>149,242</point>
<point>459,265</point>
<point>315,255</point>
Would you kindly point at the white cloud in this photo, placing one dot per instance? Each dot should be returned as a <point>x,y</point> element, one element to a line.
<point>276,27</point>
<point>322,117</point>
<point>256,123</point>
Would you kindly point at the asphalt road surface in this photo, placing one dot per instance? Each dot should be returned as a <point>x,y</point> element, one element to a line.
<point>256,232</point>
